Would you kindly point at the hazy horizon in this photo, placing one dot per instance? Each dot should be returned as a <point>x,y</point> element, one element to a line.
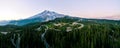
<point>20,9</point>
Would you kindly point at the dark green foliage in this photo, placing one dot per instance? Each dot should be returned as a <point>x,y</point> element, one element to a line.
<point>94,34</point>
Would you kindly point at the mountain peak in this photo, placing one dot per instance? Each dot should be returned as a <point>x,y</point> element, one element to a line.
<point>47,12</point>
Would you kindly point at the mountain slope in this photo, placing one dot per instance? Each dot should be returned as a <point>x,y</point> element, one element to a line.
<point>41,17</point>
<point>2,23</point>
<point>66,32</point>
<point>47,16</point>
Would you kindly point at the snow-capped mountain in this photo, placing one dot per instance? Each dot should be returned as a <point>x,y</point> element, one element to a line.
<point>47,15</point>
<point>41,17</point>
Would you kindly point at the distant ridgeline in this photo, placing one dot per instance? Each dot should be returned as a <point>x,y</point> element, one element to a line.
<point>47,16</point>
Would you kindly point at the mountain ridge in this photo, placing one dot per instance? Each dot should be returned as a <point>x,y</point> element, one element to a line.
<point>116,17</point>
<point>44,16</point>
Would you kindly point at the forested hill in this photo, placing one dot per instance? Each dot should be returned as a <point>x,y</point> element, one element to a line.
<point>67,32</point>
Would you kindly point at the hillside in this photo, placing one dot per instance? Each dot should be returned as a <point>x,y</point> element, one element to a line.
<point>67,32</point>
